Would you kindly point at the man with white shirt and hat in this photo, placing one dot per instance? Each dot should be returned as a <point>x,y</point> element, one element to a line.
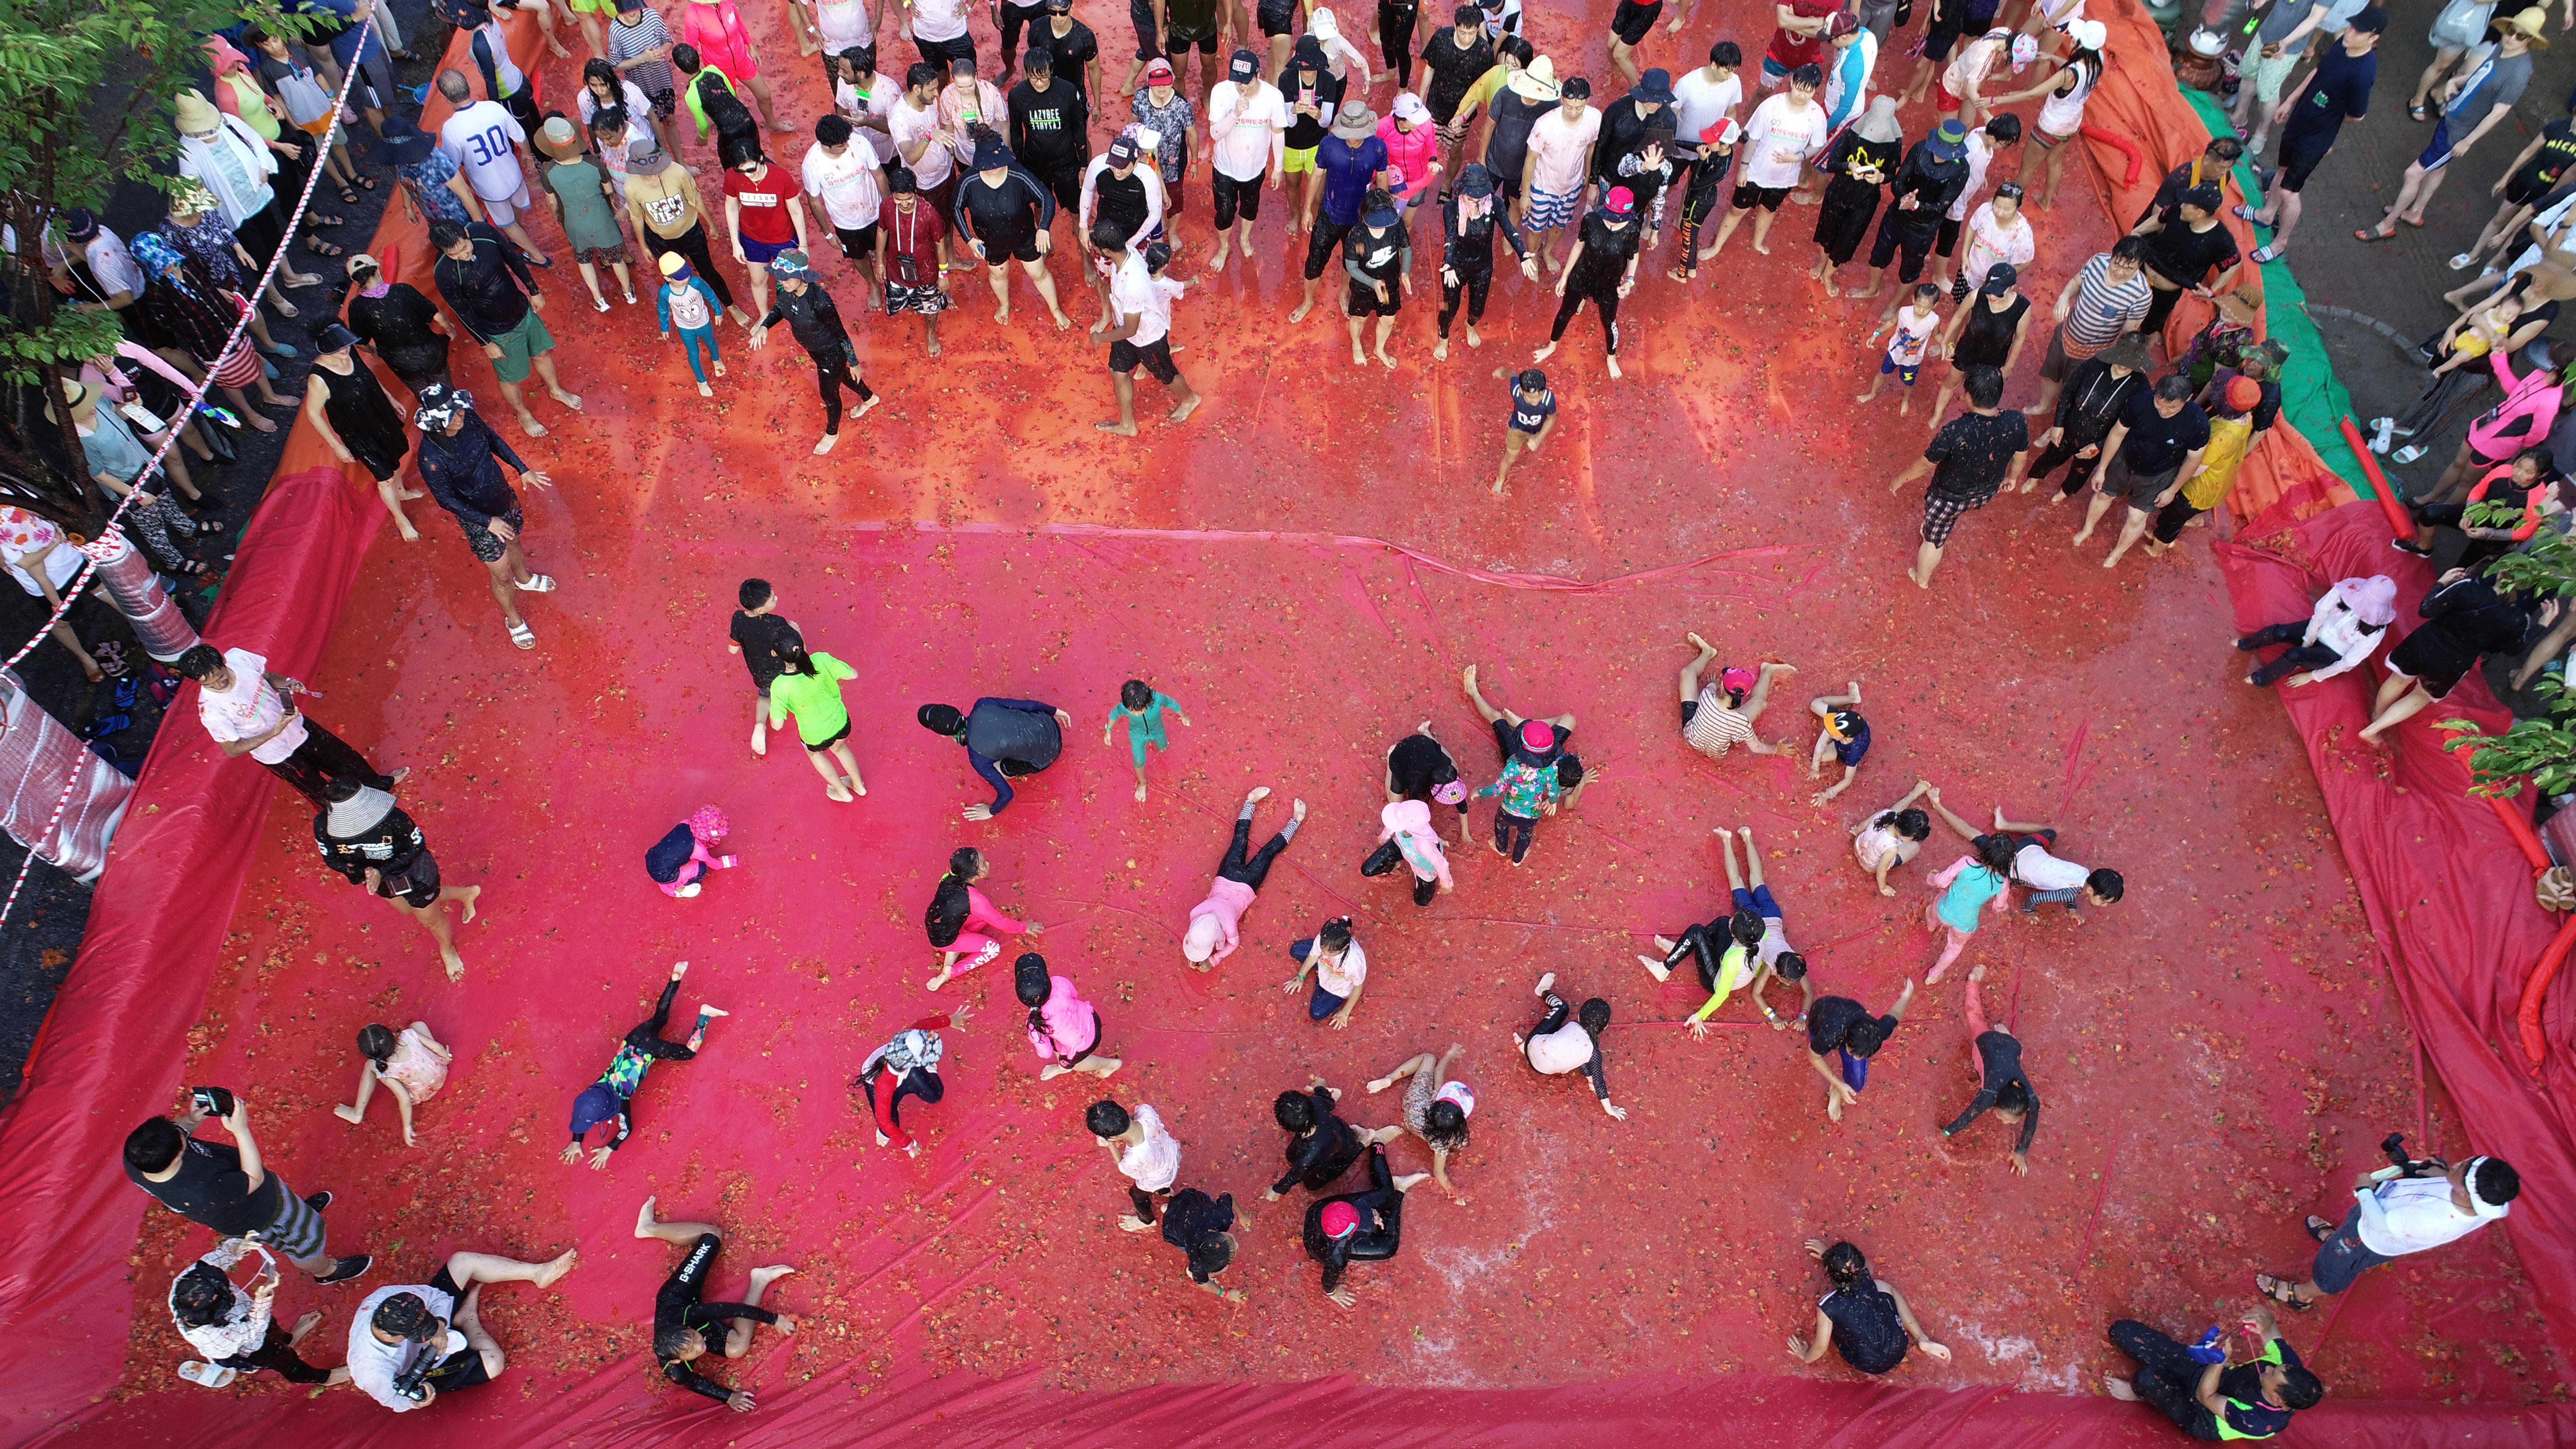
<point>2396,1212</point>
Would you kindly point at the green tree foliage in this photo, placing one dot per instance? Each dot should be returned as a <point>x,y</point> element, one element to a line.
<point>2542,747</point>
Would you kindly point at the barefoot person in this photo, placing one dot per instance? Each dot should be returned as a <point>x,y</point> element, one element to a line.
<point>1740,953</point>
<point>1844,1027</point>
<point>460,460</point>
<point>678,862</point>
<point>962,922</point>
<point>2465,620</point>
<point>1532,417</point>
<point>1340,968</point>
<point>686,1328</point>
<point>1842,734</point>
<point>1567,1040</point>
<point>1377,262</point>
<point>495,295</point>
<point>2051,881</point>
<point>1064,1030</point>
<point>235,1329</point>
<point>1969,459</point>
<point>247,710</point>
<point>1146,1154</point>
<point>814,320</point>
<point>2207,1398</point>
<point>1471,215</point>
<point>1994,1058</point>
<point>411,1065</point>
<point>611,1098</point>
<point>1321,1146</point>
<point>1786,131</point>
<point>907,1066</point>
<point>1202,1227</point>
<point>1865,1320</point>
<point>1215,927</point>
<point>1602,270</point>
<point>1005,740</point>
<point>371,842</point>
<point>1358,1227</point>
<point>1137,325</point>
<point>1142,707</point>
<point>763,638</point>
<point>1892,837</point>
<point>2150,454</point>
<point>808,686</point>
<point>1436,1108</point>
<point>1973,884</point>
<point>1712,725</point>
<point>410,1344</point>
<point>1529,783</point>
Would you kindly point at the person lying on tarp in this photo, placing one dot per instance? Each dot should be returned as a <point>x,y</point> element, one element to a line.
<point>1004,739</point>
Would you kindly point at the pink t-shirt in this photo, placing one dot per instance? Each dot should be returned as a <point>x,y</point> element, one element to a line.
<point>2528,412</point>
<point>716,30</point>
<point>1067,1025</point>
<point>1226,902</point>
<point>1562,150</point>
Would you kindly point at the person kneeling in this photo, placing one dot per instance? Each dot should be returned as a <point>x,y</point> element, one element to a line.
<point>1358,1227</point>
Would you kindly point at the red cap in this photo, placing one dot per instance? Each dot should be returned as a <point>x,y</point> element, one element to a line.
<point>1159,71</point>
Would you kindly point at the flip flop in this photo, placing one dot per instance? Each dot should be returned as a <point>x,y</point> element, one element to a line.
<point>2419,112</point>
<point>2267,252</point>
<point>2242,212</point>
<point>2366,234</point>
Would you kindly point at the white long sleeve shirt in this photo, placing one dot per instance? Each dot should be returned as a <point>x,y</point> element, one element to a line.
<point>2338,628</point>
<point>2412,1214</point>
<point>245,1325</point>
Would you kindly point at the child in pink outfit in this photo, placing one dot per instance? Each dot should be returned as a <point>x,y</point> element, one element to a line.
<point>1064,1029</point>
<point>1407,825</point>
<point>1215,927</point>
<point>960,917</point>
<point>679,860</point>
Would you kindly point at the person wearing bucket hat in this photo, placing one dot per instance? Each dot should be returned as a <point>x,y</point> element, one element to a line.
<point>1247,136</point>
<point>2061,115</point>
<point>349,409</point>
<point>460,460</point>
<point>1557,166</point>
<point>1358,1227</point>
<point>1471,216</point>
<point>1602,270</point>
<point>1624,123</point>
<point>1377,256</point>
<point>2349,625</point>
<point>1988,332</point>
<point>1786,131</point>
<point>670,217</point>
<point>815,322</point>
<point>585,206</point>
<point>1353,162</point>
<point>1005,214</point>
<point>1934,174</point>
<point>1312,93</point>
<point>2472,105</point>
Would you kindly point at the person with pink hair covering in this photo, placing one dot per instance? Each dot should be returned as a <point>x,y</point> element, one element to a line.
<point>1407,826</point>
<point>679,861</point>
<point>1216,923</point>
<point>2348,626</point>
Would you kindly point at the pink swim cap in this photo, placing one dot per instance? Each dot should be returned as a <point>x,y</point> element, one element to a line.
<point>1538,734</point>
<point>1340,1220</point>
<point>1735,679</point>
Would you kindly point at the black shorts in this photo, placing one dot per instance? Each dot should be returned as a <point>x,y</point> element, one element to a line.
<point>1181,45</point>
<point>1364,302</point>
<point>1748,196</point>
<point>1235,198</point>
<point>416,884</point>
<point>1064,183</point>
<point>1631,22</point>
<point>665,104</point>
<point>1893,238</point>
<point>2296,166</point>
<point>1155,357</point>
<point>1022,247</point>
<point>859,244</point>
<point>935,51</point>
<point>1946,242</point>
<point>462,1369</point>
<point>1141,16</point>
<point>838,735</point>
<point>1937,42</point>
<point>1276,19</point>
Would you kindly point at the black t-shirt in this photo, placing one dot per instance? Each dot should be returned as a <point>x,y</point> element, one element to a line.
<point>1192,1217</point>
<point>1831,1019</point>
<point>1453,70</point>
<point>397,324</point>
<point>2156,442</point>
<point>1322,89</point>
<point>2243,1384</point>
<point>1004,216</point>
<point>212,1191</point>
<point>1987,338</point>
<point>1188,20</point>
<point>1318,1159</point>
<point>1050,129</point>
<point>763,638</point>
<point>1606,249</point>
<point>2182,255</point>
<point>1120,199</point>
<point>1507,144</point>
<point>1381,257</point>
<point>1073,51</point>
<point>1623,130</point>
<point>2090,406</point>
<point>1867,1331</point>
<point>2557,148</point>
<point>1414,761</point>
<point>1971,454</point>
<point>2339,91</point>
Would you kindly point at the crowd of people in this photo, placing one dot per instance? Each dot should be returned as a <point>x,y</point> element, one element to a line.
<point>932,169</point>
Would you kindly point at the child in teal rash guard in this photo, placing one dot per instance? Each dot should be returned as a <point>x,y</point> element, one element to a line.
<point>1142,706</point>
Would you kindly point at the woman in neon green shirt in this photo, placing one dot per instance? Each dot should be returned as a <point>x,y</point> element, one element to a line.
<point>809,687</point>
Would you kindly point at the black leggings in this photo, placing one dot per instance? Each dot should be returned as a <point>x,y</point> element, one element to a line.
<point>693,245</point>
<point>1256,870</point>
<point>2300,655</point>
<point>832,373</point>
<point>2057,455</point>
<point>324,757</point>
<point>1395,40</point>
<point>275,1353</point>
<point>1604,298</point>
<point>1513,833</point>
<point>646,1036</point>
<point>676,1305</point>
<point>1704,945</point>
<point>2158,310</point>
<point>2174,517</point>
<point>1474,283</point>
<point>916,1083</point>
<point>1146,1201</point>
<point>1378,1245</point>
<point>1699,203</point>
<point>2167,1376</point>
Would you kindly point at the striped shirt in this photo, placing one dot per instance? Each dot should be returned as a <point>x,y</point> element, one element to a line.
<point>625,42</point>
<point>1714,728</point>
<point>2103,310</point>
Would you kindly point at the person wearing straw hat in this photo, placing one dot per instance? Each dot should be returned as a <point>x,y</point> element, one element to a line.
<point>196,227</point>
<point>1529,93</point>
<point>815,322</point>
<point>1352,161</point>
<point>226,157</point>
<point>2472,105</point>
<point>349,408</point>
<point>585,207</point>
<point>460,460</point>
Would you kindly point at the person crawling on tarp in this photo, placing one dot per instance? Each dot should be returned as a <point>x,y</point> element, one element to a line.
<point>1004,739</point>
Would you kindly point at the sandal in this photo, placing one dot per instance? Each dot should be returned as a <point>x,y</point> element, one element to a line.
<point>2270,251</point>
<point>2318,1228</point>
<point>2419,112</point>
<point>2281,1292</point>
<point>522,635</point>
<point>348,195</point>
<point>320,248</point>
<point>536,584</point>
<point>366,183</point>
<point>2370,234</point>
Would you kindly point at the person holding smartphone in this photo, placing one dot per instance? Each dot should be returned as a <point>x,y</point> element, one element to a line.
<point>229,1189</point>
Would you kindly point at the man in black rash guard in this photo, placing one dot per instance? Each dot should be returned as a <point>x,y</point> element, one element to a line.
<point>1601,270</point>
<point>1004,739</point>
<point>815,322</point>
<point>2001,1083</point>
<point>1930,177</point>
<point>1321,1146</point>
<point>1358,1227</point>
<point>1074,49</point>
<point>1003,213</point>
<point>1625,121</point>
<point>1051,130</point>
<point>460,460</point>
<point>1470,216</point>
<point>368,839</point>
<point>685,1328</point>
<point>1203,1229</point>
<point>1377,255</point>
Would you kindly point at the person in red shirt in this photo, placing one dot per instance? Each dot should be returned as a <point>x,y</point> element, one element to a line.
<point>1799,39</point>
<point>910,234</point>
<point>763,214</point>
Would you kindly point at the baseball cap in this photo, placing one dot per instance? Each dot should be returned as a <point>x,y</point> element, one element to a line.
<point>1158,73</point>
<point>2000,278</point>
<point>2371,21</point>
<point>1122,152</point>
<point>1409,107</point>
<point>1244,66</point>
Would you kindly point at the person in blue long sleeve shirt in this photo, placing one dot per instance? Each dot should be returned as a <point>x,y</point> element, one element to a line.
<point>1004,739</point>
<point>460,460</point>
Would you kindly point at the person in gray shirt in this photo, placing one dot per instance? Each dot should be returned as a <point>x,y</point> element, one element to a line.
<point>2472,105</point>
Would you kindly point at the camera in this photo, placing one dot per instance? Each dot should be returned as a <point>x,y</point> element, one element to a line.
<point>213,1101</point>
<point>2394,1147</point>
<point>413,1382</point>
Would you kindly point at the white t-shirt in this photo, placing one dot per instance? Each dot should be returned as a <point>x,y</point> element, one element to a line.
<point>1563,1050</point>
<point>478,139</point>
<point>1563,150</point>
<point>1138,293</point>
<point>1990,241</point>
<point>1247,121</point>
<point>638,109</point>
<point>1699,103</point>
<point>1981,154</point>
<point>23,535</point>
<point>374,1364</point>
<point>1155,1163</point>
<point>249,709</point>
<point>2418,1213</point>
<point>841,23</point>
<point>847,183</point>
<point>1778,142</point>
<point>938,20</point>
<point>910,125</point>
<point>878,102</point>
<point>1342,977</point>
<point>2034,867</point>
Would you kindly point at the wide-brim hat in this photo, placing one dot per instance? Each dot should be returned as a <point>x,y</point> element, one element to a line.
<point>404,143</point>
<point>194,113</point>
<point>2129,350</point>
<point>1355,122</point>
<point>558,139</point>
<point>1535,81</point>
